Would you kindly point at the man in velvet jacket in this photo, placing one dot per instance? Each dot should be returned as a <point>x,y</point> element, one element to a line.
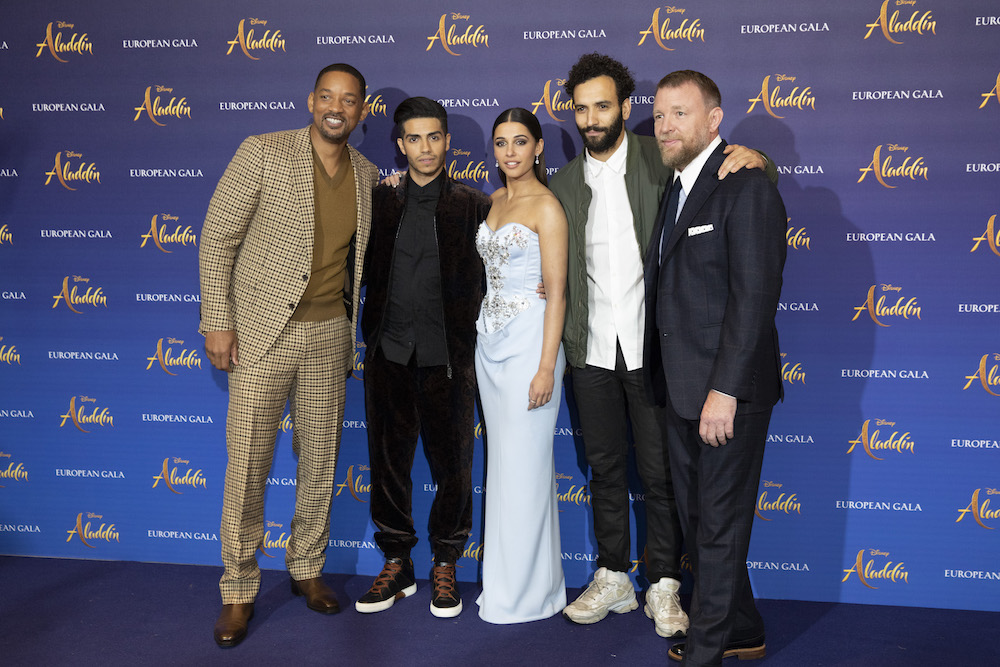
<point>713,279</point>
<point>425,285</point>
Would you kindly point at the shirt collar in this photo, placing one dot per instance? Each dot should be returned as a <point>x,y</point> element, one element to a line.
<point>615,163</point>
<point>693,170</point>
<point>429,191</point>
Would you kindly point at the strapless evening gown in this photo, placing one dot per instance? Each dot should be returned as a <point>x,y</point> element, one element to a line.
<point>522,568</point>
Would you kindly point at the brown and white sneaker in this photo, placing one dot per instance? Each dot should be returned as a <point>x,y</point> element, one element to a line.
<point>394,582</point>
<point>445,599</point>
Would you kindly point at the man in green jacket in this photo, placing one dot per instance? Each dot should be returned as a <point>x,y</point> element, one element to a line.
<point>611,193</point>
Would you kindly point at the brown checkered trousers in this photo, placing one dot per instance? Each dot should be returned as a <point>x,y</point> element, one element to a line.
<point>307,364</point>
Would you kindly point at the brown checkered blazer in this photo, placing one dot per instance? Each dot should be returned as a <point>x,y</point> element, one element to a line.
<point>255,253</point>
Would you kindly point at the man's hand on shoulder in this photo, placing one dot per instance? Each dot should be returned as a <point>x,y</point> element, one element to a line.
<point>221,347</point>
<point>740,157</point>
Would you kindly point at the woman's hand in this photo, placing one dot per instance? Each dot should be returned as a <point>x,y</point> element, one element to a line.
<point>540,389</point>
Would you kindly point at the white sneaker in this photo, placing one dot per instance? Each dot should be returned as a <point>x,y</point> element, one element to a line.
<point>663,605</point>
<point>609,591</point>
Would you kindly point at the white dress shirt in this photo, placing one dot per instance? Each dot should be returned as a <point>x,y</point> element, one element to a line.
<point>615,290</point>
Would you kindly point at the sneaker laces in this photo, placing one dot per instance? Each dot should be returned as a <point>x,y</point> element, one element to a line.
<point>386,576</point>
<point>664,601</point>
<point>444,581</point>
<point>595,591</point>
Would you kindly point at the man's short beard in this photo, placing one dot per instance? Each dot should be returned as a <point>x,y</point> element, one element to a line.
<point>681,159</point>
<point>607,142</point>
<point>688,151</point>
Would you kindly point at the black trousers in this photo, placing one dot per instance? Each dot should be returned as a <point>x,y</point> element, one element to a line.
<point>402,402</point>
<point>607,400</point>
<point>716,494</point>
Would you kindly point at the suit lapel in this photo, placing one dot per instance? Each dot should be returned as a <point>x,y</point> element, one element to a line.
<point>302,184</point>
<point>706,183</point>
<point>651,263</point>
<point>364,181</point>
<point>363,187</point>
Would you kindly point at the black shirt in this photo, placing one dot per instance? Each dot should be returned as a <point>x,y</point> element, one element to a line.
<point>414,315</point>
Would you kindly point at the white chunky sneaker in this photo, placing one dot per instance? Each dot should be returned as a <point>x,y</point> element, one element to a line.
<point>609,591</point>
<point>663,605</point>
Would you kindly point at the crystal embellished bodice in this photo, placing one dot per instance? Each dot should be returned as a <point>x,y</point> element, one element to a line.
<point>513,270</point>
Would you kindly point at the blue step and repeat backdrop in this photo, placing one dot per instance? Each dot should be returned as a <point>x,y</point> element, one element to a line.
<point>881,482</point>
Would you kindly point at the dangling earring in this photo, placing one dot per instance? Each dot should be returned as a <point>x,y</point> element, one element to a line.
<point>496,163</point>
<point>536,159</point>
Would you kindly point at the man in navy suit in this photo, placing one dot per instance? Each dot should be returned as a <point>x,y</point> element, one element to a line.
<point>712,287</point>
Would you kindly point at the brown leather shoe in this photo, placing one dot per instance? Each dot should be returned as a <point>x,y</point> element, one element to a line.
<point>319,596</point>
<point>748,649</point>
<point>231,626</point>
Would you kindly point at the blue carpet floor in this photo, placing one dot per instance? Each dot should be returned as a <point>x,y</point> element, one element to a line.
<point>76,612</point>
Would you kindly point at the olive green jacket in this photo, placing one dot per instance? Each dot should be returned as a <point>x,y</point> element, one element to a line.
<point>645,180</point>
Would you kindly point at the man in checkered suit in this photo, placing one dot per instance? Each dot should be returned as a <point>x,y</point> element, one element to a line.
<point>281,259</point>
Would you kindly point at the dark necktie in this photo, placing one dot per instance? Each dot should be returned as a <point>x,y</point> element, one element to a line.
<point>670,217</point>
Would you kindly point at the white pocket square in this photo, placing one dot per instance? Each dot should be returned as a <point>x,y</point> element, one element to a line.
<point>701,229</point>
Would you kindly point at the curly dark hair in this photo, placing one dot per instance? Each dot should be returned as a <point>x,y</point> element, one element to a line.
<point>592,65</point>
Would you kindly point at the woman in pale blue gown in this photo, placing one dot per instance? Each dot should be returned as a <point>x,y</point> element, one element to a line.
<point>519,369</point>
